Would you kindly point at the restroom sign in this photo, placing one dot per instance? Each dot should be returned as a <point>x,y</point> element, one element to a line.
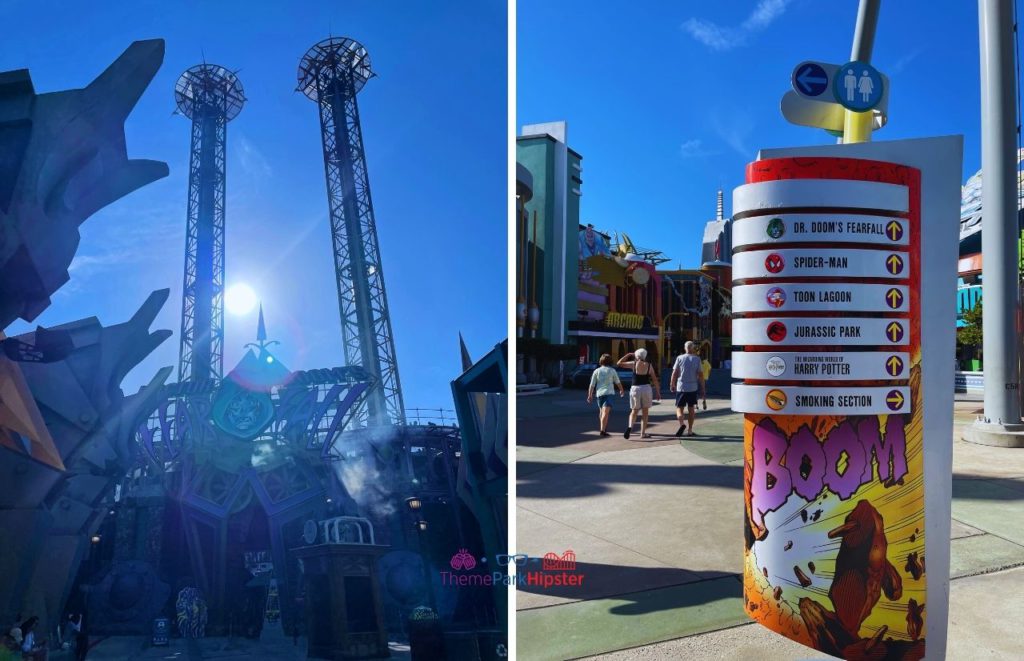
<point>834,274</point>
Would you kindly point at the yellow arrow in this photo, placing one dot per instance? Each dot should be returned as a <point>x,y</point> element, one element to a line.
<point>895,364</point>
<point>893,228</point>
<point>895,263</point>
<point>893,330</point>
<point>894,297</point>
<point>896,398</point>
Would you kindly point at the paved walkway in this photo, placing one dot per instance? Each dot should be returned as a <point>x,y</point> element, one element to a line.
<point>656,527</point>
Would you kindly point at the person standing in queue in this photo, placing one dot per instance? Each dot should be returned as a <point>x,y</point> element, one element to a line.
<point>641,394</point>
<point>687,380</point>
<point>32,647</point>
<point>603,383</point>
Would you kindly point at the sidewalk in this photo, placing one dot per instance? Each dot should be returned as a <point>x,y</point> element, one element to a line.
<point>656,526</point>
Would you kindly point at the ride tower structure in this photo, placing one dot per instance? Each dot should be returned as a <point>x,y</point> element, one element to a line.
<point>211,96</point>
<point>332,73</point>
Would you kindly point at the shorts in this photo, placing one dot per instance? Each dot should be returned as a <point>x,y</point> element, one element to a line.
<point>605,400</point>
<point>640,397</point>
<point>684,399</point>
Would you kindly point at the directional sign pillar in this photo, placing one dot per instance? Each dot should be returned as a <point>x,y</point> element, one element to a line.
<point>843,256</point>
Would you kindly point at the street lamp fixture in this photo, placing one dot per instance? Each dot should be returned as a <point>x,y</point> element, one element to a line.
<point>421,525</point>
<point>414,503</point>
<point>95,539</point>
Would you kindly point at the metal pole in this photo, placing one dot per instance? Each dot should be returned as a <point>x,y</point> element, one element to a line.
<point>857,125</point>
<point>999,212</point>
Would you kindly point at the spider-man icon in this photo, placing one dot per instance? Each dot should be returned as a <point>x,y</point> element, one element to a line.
<point>774,263</point>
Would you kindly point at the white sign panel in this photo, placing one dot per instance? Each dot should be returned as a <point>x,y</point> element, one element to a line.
<point>767,196</point>
<point>820,331</point>
<point>820,262</point>
<point>820,227</point>
<point>821,365</point>
<point>820,297</point>
<point>801,400</point>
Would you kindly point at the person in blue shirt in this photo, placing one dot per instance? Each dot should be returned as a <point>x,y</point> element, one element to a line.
<point>603,383</point>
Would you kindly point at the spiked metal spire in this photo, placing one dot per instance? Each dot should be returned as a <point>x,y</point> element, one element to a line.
<point>467,362</point>
<point>261,329</point>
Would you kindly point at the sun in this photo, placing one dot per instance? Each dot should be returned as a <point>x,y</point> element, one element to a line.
<point>239,299</point>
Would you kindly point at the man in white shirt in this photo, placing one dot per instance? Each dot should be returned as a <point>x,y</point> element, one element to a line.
<point>687,380</point>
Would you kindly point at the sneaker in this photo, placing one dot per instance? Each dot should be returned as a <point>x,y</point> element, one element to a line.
<point>604,433</point>
<point>645,435</point>
<point>627,432</point>
<point>681,430</point>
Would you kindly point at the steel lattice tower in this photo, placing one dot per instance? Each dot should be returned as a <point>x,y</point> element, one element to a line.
<point>332,73</point>
<point>210,96</point>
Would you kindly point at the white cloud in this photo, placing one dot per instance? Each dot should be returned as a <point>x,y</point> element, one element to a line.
<point>122,237</point>
<point>254,163</point>
<point>723,38</point>
<point>734,132</point>
<point>764,14</point>
<point>711,35</point>
<point>902,63</point>
<point>694,148</point>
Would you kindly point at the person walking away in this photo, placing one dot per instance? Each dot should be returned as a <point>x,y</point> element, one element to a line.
<point>15,634</point>
<point>687,380</point>
<point>603,383</point>
<point>71,630</point>
<point>81,638</point>
<point>11,644</point>
<point>30,647</point>
<point>641,394</point>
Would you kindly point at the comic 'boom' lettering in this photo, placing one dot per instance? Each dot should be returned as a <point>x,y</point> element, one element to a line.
<point>850,456</point>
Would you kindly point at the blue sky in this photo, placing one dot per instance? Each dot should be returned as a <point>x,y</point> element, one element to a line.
<point>667,101</point>
<point>434,128</point>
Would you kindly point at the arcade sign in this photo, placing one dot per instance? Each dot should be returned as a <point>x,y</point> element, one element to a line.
<point>625,320</point>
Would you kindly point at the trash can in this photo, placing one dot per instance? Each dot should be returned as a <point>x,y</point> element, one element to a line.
<point>161,631</point>
<point>426,639</point>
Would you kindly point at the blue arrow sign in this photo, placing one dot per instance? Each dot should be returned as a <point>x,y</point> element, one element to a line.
<point>858,86</point>
<point>810,79</point>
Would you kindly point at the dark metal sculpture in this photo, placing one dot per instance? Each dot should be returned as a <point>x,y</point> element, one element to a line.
<point>210,96</point>
<point>47,517</point>
<point>63,159</point>
<point>65,425</point>
<point>332,73</point>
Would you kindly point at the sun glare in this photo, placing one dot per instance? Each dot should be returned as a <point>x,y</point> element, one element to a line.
<point>239,299</point>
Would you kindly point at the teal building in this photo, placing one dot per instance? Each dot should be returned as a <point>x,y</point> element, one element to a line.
<point>547,237</point>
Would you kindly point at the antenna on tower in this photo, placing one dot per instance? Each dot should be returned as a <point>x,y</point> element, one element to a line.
<point>719,207</point>
<point>211,96</point>
<point>331,73</point>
